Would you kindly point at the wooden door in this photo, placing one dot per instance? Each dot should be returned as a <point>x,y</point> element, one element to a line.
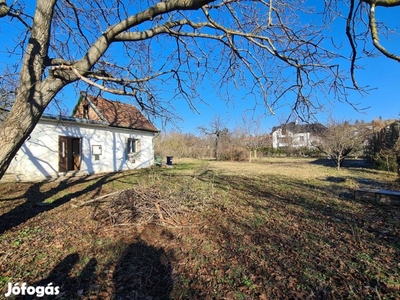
<point>76,153</point>
<point>69,154</point>
<point>62,154</point>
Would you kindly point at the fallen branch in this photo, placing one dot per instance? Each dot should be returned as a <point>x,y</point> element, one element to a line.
<point>144,204</point>
<point>159,211</point>
<point>98,199</point>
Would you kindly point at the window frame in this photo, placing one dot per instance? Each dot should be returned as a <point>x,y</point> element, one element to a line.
<point>132,146</point>
<point>132,149</point>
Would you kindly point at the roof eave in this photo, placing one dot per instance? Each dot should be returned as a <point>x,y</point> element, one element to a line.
<point>138,129</point>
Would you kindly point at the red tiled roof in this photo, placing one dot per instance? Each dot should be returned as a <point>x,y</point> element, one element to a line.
<point>117,114</point>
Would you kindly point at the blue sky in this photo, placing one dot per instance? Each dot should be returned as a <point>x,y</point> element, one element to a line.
<point>381,74</point>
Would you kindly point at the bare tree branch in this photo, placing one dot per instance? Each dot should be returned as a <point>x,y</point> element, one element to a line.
<point>159,52</point>
<point>374,30</point>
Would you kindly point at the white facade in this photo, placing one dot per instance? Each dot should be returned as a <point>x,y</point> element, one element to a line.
<point>290,139</point>
<point>98,148</point>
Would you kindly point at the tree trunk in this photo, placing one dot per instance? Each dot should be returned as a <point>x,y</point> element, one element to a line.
<point>338,159</point>
<point>33,95</point>
<point>22,119</point>
<point>216,154</point>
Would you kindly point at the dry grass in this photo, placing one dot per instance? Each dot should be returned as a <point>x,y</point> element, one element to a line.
<point>272,229</point>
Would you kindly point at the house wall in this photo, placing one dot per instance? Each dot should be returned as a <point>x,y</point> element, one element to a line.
<point>302,140</point>
<point>276,135</point>
<point>38,157</point>
<point>290,139</point>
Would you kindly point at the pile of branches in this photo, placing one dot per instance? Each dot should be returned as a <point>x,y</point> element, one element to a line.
<point>142,205</point>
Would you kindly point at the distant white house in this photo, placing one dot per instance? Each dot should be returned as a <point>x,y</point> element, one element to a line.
<point>296,135</point>
<point>101,136</point>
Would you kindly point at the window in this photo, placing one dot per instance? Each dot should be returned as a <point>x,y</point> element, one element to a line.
<point>132,149</point>
<point>133,145</point>
<point>301,138</point>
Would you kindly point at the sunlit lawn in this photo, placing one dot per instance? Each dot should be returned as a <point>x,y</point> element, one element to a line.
<point>270,229</point>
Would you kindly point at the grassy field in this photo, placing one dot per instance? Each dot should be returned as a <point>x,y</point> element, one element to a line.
<point>271,229</point>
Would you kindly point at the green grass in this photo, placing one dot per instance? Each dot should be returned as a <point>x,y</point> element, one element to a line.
<point>271,229</point>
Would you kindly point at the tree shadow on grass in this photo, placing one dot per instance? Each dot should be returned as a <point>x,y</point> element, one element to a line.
<point>358,164</point>
<point>296,226</point>
<point>62,284</point>
<point>363,182</point>
<point>374,217</point>
<point>143,272</point>
<point>34,204</point>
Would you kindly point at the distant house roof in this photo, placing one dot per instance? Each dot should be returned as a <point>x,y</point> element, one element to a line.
<point>115,113</point>
<point>316,128</point>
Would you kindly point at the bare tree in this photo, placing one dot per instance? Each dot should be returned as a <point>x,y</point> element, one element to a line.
<point>5,103</point>
<point>179,145</point>
<point>216,129</point>
<point>143,48</point>
<point>339,140</point>
<point>252,135</point>
<point>7,94</point>
<point>361,21</point>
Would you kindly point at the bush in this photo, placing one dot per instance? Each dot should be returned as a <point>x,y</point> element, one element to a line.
<point>384,148</point>
<point>385,162</point>
<point>273,152</point>
<point>307,152</point>
<point>288,151</point>
<point>234,154</point>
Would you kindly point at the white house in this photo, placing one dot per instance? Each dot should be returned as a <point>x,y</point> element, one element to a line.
<point>296,135</point>
<point>101,136</point>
